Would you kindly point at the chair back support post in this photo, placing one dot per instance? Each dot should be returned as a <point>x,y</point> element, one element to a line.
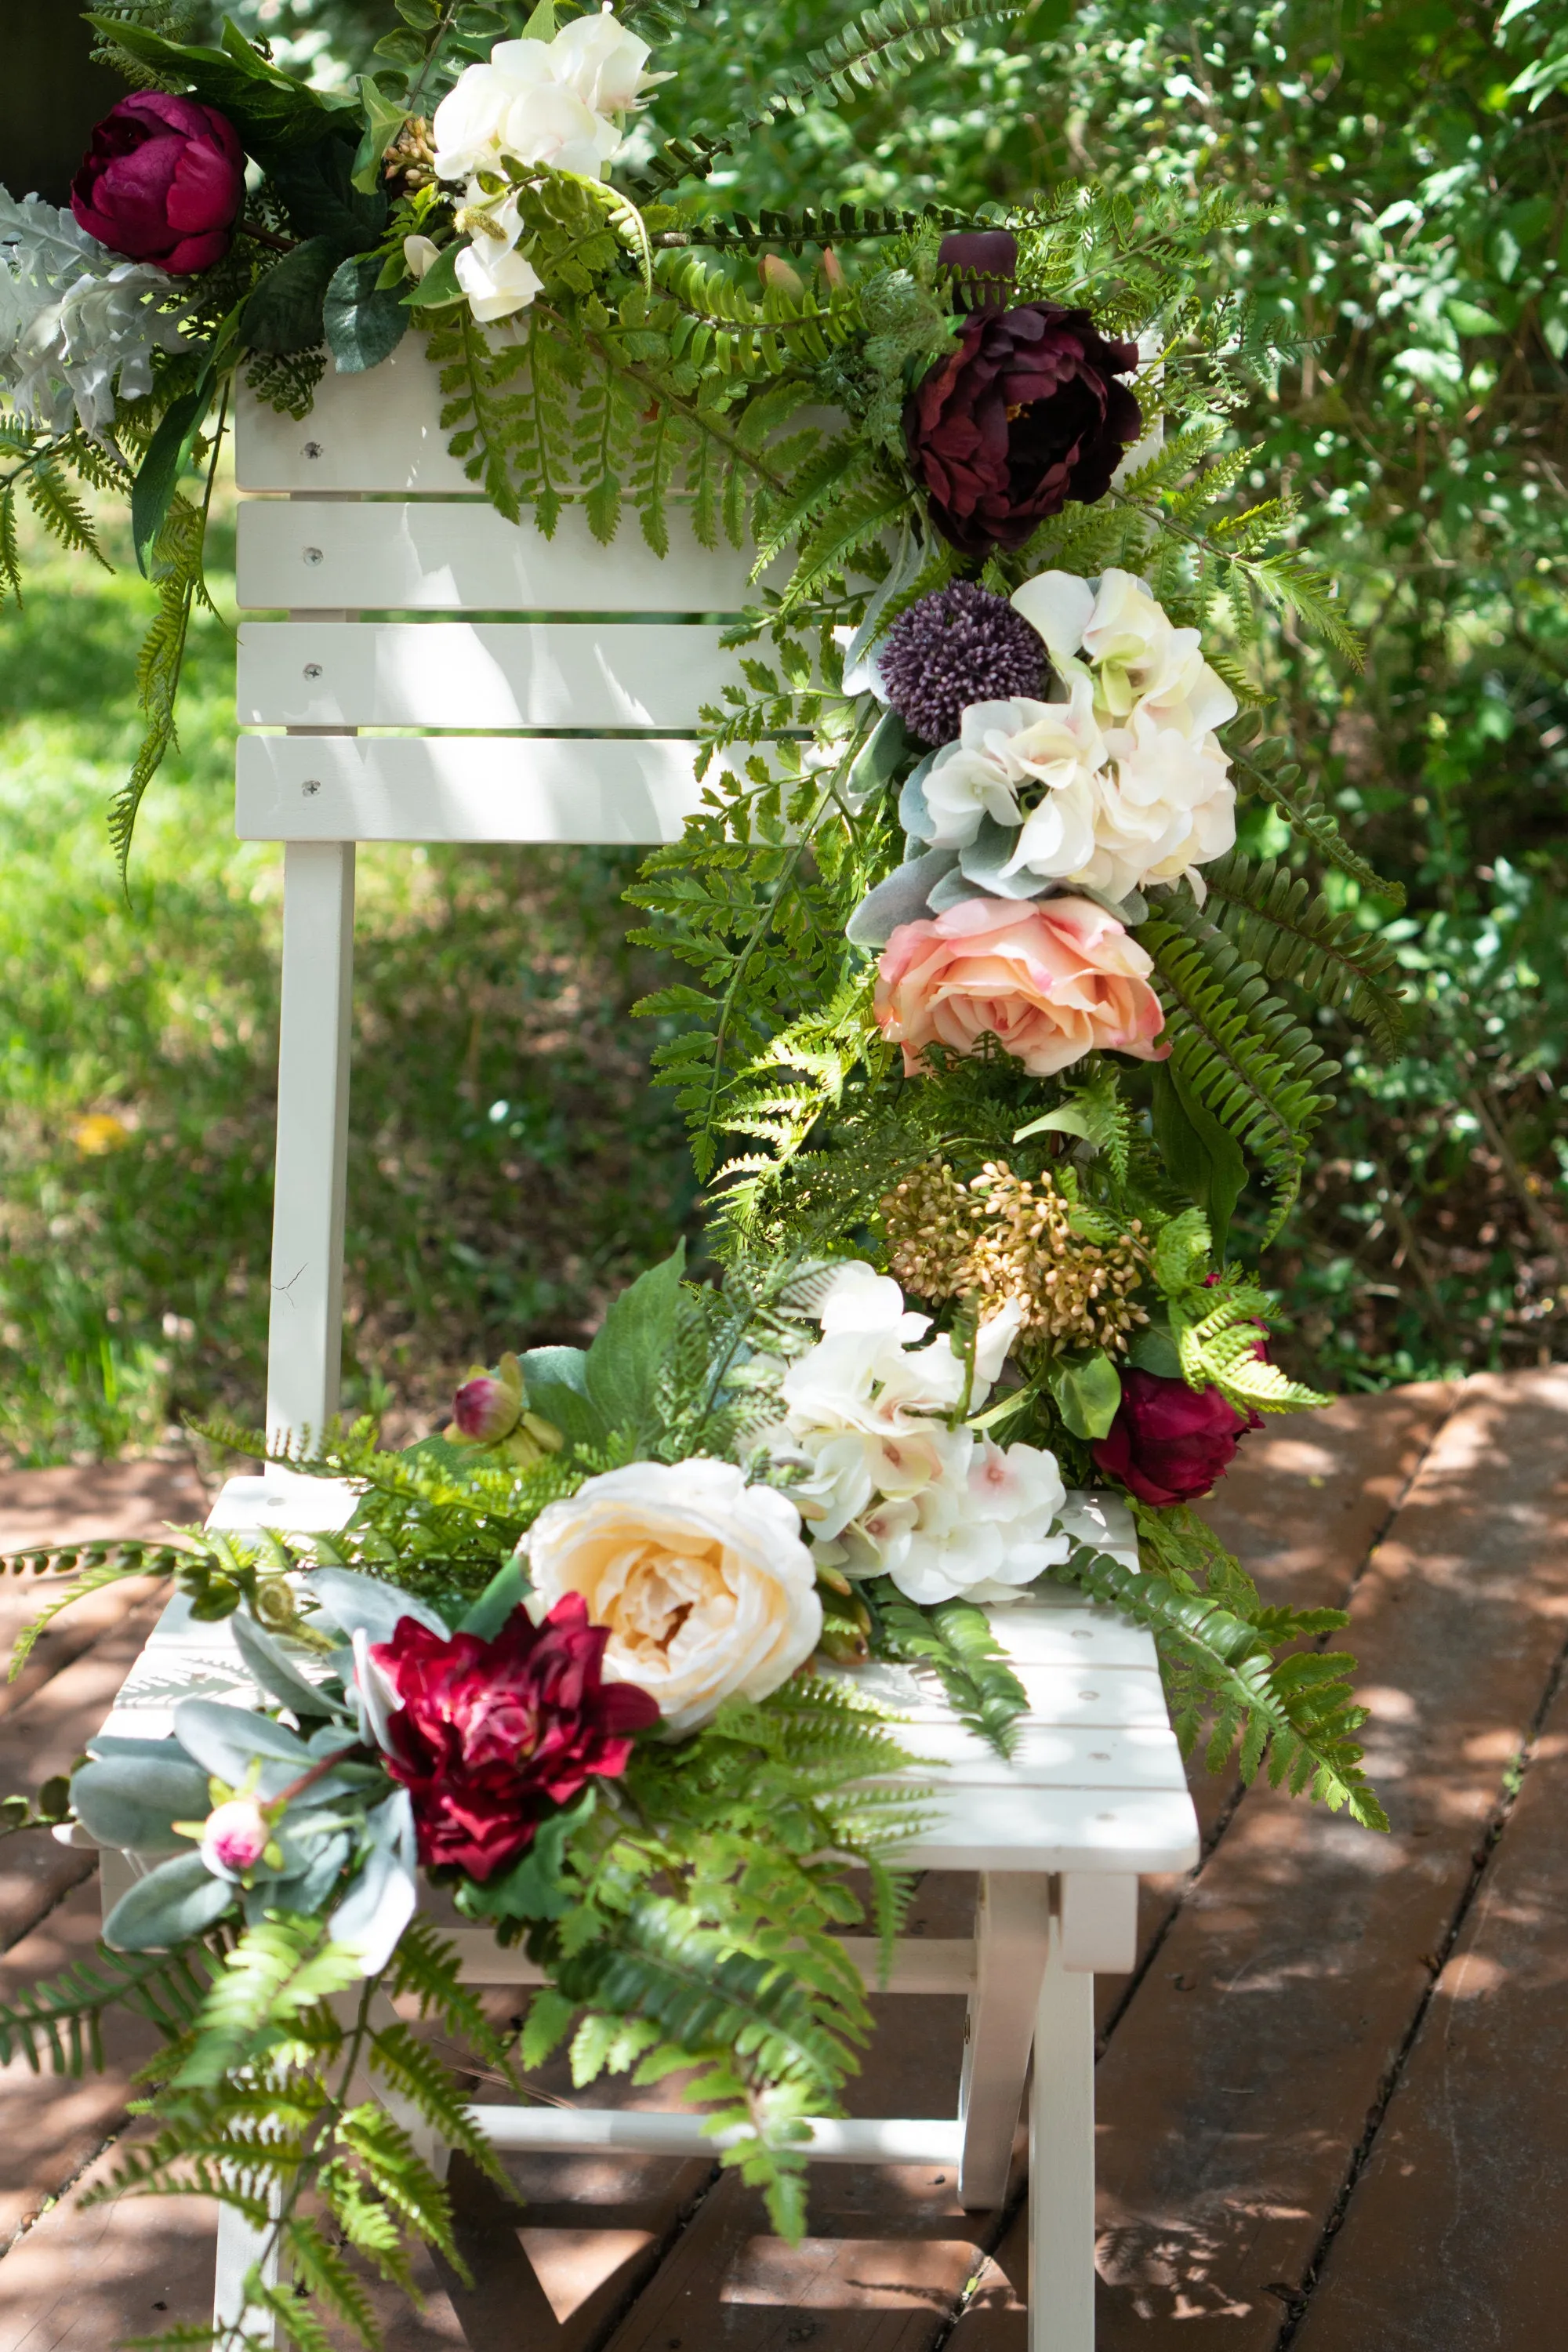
<point>304,1338</point>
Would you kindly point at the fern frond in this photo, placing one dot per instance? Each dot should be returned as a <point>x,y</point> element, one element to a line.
<point>64,2015</point>
<point>1299,1710</point>
<point>1275,918</point>
<point>1242,1052</point>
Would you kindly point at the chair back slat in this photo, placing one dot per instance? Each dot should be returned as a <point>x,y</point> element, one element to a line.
<point>432,555</point>
<point>480,674</point>
<point>377,431</point>
<point>473,788</point>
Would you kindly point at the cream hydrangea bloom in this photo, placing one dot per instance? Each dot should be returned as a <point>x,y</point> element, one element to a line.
<point>1052,751</point>
<point>1156,800</point>
<point>703,1581</point>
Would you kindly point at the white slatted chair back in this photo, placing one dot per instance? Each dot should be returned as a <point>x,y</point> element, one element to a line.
<point>566,713</point>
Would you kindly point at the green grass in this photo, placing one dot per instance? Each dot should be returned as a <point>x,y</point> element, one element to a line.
<point>509,1165</point>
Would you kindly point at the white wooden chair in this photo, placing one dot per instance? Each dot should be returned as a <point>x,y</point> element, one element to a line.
<point>365,512</point>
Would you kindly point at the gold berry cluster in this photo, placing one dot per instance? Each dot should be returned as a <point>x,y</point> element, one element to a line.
<point>408,161</point>
<point>1002,1237</point>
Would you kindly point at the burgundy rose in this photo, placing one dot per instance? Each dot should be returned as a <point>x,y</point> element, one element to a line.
<point>1024,414</point>
<point>1168,1444</point>
<point>491,1736</point>
<point>161,182</point>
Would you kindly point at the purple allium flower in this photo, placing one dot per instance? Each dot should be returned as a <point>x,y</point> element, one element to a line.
<point>961,645</point>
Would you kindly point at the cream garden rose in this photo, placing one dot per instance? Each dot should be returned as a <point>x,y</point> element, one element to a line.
<point>703,1581</point>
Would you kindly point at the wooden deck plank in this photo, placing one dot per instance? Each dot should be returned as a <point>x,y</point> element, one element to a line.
<point>1300,1507</point>
<point>1453,2233</point>
<point>1236,2087</point>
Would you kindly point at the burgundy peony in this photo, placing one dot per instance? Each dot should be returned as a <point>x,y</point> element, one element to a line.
<point>984,261</point>
<point>1026,412</point>
<point>493,1735</point>
<point>163,182</point>
<point>1168,1444</point>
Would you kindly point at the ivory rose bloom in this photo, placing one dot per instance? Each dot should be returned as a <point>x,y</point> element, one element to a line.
<point>1052,980</point>
<point>703,1582</point>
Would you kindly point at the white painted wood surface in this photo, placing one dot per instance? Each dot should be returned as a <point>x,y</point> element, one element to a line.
<point>480,674</point>
<point>1012,1934</point>
<point>438,556</point>
<point>463,788</point>
<point>381,432</point>
<point>304,1336</point>
<point>1061,2161</point>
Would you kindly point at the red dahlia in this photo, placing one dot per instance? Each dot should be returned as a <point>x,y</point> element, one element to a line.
<point>492,1736</point>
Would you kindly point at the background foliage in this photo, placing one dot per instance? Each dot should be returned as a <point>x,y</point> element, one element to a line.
<point>1409,163</point>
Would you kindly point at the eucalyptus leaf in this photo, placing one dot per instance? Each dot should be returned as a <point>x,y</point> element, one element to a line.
<point>353,1601</point>
<point>877,757</point>
<point>903,898</point>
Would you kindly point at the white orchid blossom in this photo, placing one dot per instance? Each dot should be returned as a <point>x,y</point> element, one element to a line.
<point>894,1487</point>
<point>560,102</point>
<point>497,280</point>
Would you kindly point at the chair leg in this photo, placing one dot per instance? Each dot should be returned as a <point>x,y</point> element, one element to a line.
<point>304,1340</point>
<point>1061,2162</point>
<point>1011,1935</point>
<point>240,2249</point>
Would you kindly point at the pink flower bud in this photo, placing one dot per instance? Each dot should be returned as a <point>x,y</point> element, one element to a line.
<point>776,272</point>
<point>237,1834</point>
<point>833,269</point>
<point>486,1409</point>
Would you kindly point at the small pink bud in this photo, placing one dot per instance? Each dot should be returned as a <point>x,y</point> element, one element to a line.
<point>486,1409</point>
<point>236,1834</point>
<point>833,269</point>
<point>777,274</point>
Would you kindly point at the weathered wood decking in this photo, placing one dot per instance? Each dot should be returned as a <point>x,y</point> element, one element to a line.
<point>1333,2099</point>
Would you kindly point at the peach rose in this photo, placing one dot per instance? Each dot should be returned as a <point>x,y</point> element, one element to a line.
<point>1051,979</point>
<point>703,1581</point>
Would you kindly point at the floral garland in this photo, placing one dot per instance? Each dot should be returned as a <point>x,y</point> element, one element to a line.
<point>1003,1018</point>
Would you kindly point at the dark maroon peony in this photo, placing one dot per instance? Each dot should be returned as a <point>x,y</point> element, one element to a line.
<point>1168,1444</point>
<point>491,1736</point>
<point>163,182</point>
<point>1026,412</point>
<point>983,262</point>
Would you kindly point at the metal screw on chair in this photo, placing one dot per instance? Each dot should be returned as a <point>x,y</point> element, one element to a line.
<point>312,448</point>
<point>312,669</point>
<point>314,555</point>
<point>312,785</point>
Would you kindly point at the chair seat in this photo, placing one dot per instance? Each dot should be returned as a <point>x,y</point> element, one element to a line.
<point>1094,1784</point>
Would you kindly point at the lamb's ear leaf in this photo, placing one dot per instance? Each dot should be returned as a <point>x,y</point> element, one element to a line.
<point>129,1802</point>
<point>173,1905</point>
<point>270,1666</point>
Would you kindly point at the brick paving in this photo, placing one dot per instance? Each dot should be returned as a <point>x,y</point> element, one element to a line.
<point>1333,2097</point>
